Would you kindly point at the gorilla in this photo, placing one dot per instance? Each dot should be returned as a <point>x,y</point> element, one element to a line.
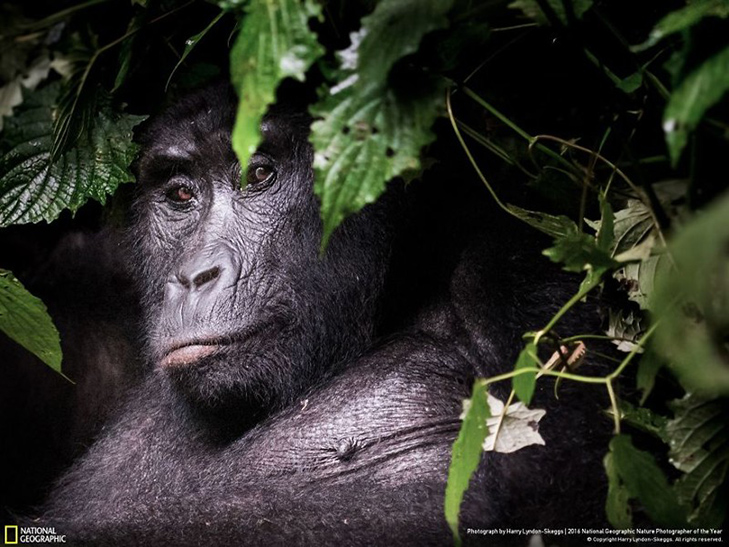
<point>294,397</point>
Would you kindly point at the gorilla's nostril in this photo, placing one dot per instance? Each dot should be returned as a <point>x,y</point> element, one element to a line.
<point>205,277</point>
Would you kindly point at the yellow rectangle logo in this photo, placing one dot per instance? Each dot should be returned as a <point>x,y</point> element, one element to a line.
<point>11,535</point>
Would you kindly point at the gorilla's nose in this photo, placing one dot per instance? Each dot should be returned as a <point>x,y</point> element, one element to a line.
<point>199,278</point>
<point>203,272</point>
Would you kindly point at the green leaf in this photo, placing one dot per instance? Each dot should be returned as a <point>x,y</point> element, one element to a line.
<point>24,318</point>
<point>371,130</point>
<point>524,384</point>
<point>606,234</point>
<point>274,43</point>
<point>361,144</point>
<point>393,31</point>
<point>579,252</point>
<point>685,18</point>
<point>466,452</point>
<point>126,51</point>
<point>617,508</point>
<point>190,44</point>
<point>32,189</point>
<point>692,301</point>
<point>645,377</point>
<point>699,91</point>
<point>555,226</point>
<point>643,418</point>
<point>639,278</point>
<point>76,104</point>
<point>631,83</point>
<point>644,481</point>
<point>636,239</point>
<point>699,440</point>
<point>531,9</point>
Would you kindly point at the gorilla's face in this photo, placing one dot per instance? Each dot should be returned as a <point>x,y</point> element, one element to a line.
<point>240,307</point>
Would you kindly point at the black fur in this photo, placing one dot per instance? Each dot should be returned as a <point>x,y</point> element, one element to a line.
<point>327,412</point>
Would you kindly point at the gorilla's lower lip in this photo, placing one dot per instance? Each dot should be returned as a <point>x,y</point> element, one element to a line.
<point>187,355</point>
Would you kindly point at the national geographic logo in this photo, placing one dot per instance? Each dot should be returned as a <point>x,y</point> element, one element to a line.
<point>27,535</point>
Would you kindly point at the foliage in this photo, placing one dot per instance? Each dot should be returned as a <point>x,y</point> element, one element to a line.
<point>466,452</point>
<point>611,114</point>
<point>25,319</point>
<point>274,43</point>
<point>32,188</point>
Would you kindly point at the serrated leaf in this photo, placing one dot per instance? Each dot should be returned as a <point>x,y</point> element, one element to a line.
<point>644,481</point>
<point>579,252</point>
<point>32,189</point>
<point>699,440</point>
<point>370,131</point>
<point>524,384</point>
<point>639,278</point>
<point>632,225</point>
<point>617,508</point>
<point>625,327</point>
<point>466,453</point>
<point>692,301</point>
<point>393,31</point>
<point>698,92</point>
<point>513,429</point>
<point>274,43</point>
<point>643,418</point>
<point>531,9</point>
<point>24,318</point>
<point>363,142</point>
<point>685,18</point>
<point>555,226</point>
<point>637,242</point>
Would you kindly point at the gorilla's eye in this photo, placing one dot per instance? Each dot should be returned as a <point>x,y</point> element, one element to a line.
<point>259,173</point>
<point>180,194</point>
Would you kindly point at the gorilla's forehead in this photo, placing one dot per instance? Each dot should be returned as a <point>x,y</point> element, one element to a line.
<point>200,126</point>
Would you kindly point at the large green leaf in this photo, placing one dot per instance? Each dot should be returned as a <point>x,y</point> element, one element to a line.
<point>699,440</point>
<point>466,452</point>
<point>24,318</point>
<point>692,301</point>
<point>687,17</point>
<point>698,92</point>
<point>33,189</point>
<point>274,43</point>
<point>642,479</point>
<point>370,131</point>
<point>362,142</point>
<point>618,510</point>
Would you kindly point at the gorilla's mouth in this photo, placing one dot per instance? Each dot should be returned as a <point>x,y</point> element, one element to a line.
<point>190,352</point>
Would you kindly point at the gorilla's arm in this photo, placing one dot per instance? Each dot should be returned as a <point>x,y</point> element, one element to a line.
<point>362,460</point>
<point>362,457</point>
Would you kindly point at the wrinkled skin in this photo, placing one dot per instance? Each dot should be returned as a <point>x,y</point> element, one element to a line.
<point>294,399</point>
